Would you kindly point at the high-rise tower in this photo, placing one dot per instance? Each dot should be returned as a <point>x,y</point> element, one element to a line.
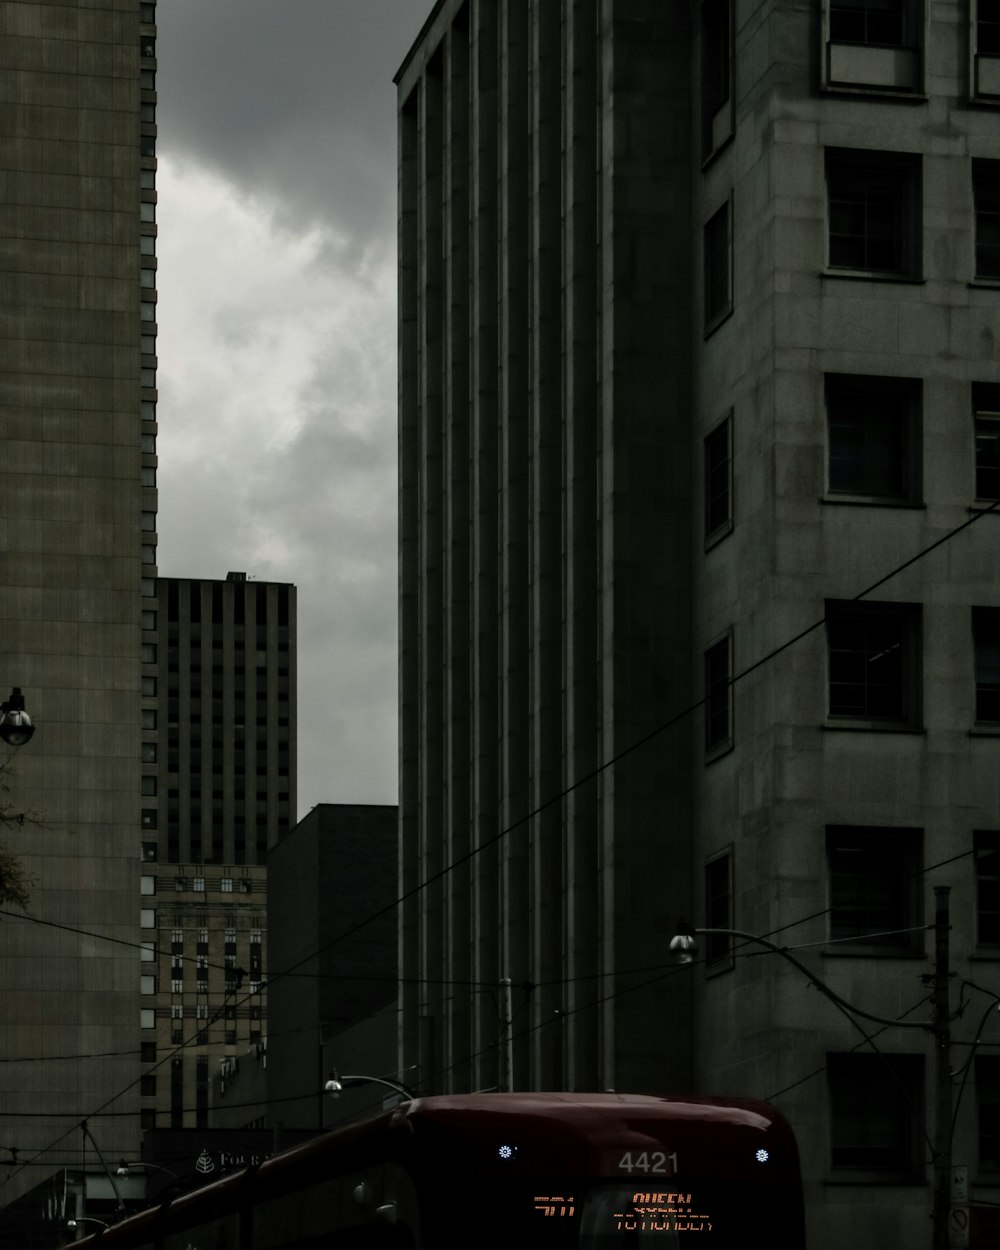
<point>77,555</point>
<point>700,570</point>
<point>219,773</point>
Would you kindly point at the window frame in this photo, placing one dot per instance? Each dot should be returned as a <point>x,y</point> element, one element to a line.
<point>987,1078</point>
<point>986,866</point>
<point>719,911</point>
<point>717,266</point>
<point>986,219</point>
<point>718,705</point>
<point>896,852</point>
<point>986,665</point>
<point>900,622</point>
<point>853,177</point>
<point>717,480</point>
<point>869,65</point>
<point>846,396</point>
<point>984,51</point>
<point>717,84</point>
<point>986,438</point>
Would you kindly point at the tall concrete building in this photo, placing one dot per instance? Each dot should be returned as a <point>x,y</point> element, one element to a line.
<point>698,317</point>
<point>218,783</point>
<point>77,555</point>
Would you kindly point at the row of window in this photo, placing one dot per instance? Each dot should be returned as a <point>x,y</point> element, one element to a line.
<point>873,446</point>
<point>874,892</point>
<point>874,662</point>
<point>871,47</point>
<point>874,224</point>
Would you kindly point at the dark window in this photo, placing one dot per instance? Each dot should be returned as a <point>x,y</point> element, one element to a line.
<point>873,212</point>
<point>986,642</point>
<point>718,280</point>
<point>147,1085</point>
<point>875,898</point>
<point>988,27</point>
<point>874,662</point>
<point>987,435</point>
<point>879,22</point>
<point>719,908</point>
<point>719,480</point>
<point>986,195</point>
<point>876,1104</point>
<point>718,695</point>
<point>873,437</point>
<point>987,850</point>
<point>716,71</point>
<point>988,1110</point>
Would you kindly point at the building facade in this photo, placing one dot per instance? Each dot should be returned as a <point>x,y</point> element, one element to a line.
<point>77,559</point>
<point>700,582</point>
<point>218,783</point>
<point>331,956</point>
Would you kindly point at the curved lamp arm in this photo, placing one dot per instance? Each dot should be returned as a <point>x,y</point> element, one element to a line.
<point>335,1085</point>
<point>684,943</point>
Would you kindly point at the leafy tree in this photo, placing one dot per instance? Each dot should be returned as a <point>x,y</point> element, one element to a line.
<point>15,880</point>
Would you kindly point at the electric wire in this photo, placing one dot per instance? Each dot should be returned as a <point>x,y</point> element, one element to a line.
<point>591,775</point>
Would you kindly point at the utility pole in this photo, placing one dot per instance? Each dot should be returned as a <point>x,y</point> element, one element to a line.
<point>506,1054</point>
<point>941,1029</point>
<point>683,944</point>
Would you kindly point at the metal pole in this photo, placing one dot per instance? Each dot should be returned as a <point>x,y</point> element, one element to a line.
<point>506,1040</point>
<point>942,1056</point>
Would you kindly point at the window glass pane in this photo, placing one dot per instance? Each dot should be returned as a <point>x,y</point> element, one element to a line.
<point>718,479</point>
<point>867,672</point>
<point>718,695</point>
<point>987,888</point>
<point>988,27</point>
<point>718,907</point>
<point>871,883</point>
<point>875,1106</point>
<point>717,293</point>
<point>988,1109</point>
<point>986,193</point>
<point>986,639</point>
<point>987,431</point>
<point>879,22</point>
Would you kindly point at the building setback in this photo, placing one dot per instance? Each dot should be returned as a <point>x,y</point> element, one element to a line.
<point>698,311</point>
<point>219,770</point>
<point>77,553</point>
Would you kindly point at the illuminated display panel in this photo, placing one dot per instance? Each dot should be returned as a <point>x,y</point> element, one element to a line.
<point>609,1215</point>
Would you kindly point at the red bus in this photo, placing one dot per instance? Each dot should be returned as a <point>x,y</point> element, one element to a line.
<point>508,1171</point>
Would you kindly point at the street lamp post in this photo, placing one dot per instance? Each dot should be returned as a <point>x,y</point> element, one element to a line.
<point>683,943</point>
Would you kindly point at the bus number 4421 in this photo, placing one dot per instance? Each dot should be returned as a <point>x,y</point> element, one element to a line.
<point>648,1161</point>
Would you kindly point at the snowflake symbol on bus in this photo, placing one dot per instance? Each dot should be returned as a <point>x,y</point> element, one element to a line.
<point>506,1152</point>
<point>762,1156</point>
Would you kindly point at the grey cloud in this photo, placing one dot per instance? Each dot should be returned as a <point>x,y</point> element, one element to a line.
<point>292,99</point>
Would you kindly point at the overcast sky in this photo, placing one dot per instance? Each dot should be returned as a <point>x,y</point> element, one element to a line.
<point>277,360</point>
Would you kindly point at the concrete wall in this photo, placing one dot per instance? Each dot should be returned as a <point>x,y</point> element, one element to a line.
<point>70,568</point>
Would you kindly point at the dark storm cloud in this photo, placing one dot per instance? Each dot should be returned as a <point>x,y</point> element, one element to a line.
<point>290,99</point>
